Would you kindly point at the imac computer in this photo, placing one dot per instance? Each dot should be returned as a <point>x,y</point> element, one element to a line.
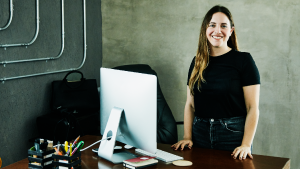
<point>128,110</point>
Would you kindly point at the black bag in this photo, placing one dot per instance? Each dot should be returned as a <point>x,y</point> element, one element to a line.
<point>77,97</point>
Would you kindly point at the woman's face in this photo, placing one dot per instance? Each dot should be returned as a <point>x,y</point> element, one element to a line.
<point>219,30</point>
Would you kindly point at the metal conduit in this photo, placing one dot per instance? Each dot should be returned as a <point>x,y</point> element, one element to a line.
<point>10,15</point>
<point>36,32</point>
<point>62,42</point>
<point>65,70</point>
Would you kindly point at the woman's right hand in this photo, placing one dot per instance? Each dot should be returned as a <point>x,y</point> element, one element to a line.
<point>182,143</point>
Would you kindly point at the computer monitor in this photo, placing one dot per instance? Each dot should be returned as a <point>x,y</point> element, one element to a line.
<point>134,96</point>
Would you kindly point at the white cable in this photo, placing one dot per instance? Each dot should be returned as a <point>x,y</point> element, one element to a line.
<point>95,143</point>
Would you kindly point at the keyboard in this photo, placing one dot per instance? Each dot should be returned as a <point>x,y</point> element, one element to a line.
<point>160,155</point>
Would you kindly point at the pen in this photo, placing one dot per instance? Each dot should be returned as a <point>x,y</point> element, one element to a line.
<point>70,149</point>
<point>79,145</point>
<point>66,146</point>
<point>62,150</point>
<point>58,145</point>
<point>76,140</point>
<point>73,144</point>
<point>58,152</point>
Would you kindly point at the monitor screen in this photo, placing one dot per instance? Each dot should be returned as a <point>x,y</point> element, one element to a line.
<point>136,93</point>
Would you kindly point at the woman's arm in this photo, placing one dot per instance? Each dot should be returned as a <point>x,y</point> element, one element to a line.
<point>251,94</point>
<point>188,115</point>
<point>188,122</point>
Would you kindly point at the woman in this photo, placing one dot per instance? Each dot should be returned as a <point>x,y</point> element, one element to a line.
<point>221,110</point>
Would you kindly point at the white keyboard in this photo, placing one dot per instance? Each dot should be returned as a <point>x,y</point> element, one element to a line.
<point>160,155</point>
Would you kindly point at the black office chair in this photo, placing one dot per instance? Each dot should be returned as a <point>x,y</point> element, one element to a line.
<point>166,124</point>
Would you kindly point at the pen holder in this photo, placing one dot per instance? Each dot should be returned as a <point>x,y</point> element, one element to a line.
<point>66,161</point>
<point>43,159</point>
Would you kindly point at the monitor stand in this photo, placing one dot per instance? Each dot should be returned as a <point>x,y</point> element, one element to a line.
<point>106,148</point>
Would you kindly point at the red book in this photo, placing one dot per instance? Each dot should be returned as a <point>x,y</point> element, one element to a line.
<point>140,162</point>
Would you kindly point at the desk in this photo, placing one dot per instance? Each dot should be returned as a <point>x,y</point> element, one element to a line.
<point>201,158</point>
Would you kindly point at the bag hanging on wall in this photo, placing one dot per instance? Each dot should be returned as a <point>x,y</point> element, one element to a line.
<point>77,97</point>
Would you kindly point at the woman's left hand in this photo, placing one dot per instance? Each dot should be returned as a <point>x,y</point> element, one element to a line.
<point>241,152</point>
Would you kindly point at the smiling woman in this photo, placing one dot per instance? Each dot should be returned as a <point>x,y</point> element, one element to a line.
<point>218,32</point>
<point>221,110</point>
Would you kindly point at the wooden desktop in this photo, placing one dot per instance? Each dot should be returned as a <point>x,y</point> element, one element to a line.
<point>201,158</point>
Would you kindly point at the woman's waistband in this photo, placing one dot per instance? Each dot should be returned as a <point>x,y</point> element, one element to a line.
<point>227,120</point>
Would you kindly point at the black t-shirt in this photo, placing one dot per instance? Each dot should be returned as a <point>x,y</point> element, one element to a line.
<point>222,96</point>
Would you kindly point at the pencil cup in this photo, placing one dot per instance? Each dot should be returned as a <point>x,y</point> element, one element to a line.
<point>66,161</point>
<point>40,159</point>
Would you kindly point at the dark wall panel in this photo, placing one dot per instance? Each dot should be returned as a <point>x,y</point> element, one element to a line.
<point>22,100</point>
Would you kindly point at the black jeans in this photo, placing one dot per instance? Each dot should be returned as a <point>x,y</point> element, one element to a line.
<point>221,134</point>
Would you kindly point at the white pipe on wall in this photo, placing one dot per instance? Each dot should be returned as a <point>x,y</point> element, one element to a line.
<point>36,32</point>
<point>62,42</point>
<point>65,70</point>
<point>10,15</point>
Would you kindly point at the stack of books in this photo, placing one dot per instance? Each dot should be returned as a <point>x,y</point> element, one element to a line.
<point>139,162</point>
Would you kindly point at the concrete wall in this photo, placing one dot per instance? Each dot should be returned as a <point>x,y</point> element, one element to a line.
<point>164,34</point>
<point>22,100</point>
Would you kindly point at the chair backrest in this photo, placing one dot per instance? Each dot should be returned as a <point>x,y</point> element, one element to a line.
<point>166,124</point>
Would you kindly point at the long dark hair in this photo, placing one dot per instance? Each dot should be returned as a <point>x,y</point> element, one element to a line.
<point>202,56</point>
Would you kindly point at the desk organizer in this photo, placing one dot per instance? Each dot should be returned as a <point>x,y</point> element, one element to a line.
<point>73,161</point>
<point>40,159</point>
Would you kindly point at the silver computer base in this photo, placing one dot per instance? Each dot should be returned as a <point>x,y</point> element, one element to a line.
<point>106,148</point>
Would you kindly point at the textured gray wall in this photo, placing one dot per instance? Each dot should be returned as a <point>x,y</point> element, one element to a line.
<point>25,99</point>
<point>164,34</point>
